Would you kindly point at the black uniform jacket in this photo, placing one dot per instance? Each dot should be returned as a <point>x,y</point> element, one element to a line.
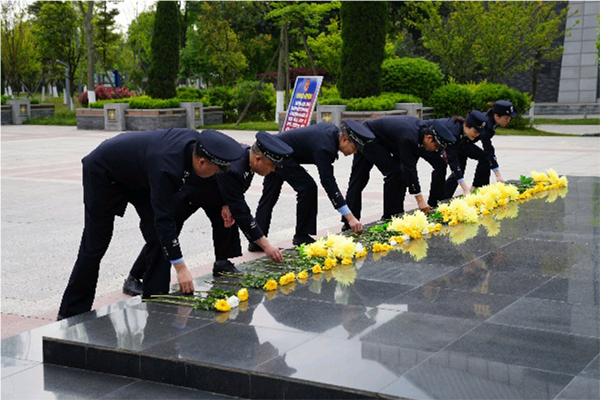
<point>403,137</point>
<point>486,141</point>
<point>233,184</point>
<point>456,128</point>
<point>319,145</point>
<point>159,160</point>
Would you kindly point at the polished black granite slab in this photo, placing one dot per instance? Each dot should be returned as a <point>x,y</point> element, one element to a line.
<point>506,310</point>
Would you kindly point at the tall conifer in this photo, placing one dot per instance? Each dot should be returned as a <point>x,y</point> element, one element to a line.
<point>165,51</point>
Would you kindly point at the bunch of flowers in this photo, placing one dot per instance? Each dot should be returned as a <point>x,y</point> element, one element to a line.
<point>458,211</point>
<point>540,182</point>
<point>215,299</point>
<point>413,225</point>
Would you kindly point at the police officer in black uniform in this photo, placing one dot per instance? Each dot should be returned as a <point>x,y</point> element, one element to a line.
<point>145,169</point>
<point>222,198</point>
<point>319,145</point>
<point>500,114</point>
<point>466,131</point>
<point>399,142</point>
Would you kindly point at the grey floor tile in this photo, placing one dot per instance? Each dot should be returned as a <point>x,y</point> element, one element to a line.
<point>49,382</point>
<point>12,366</point>
<point>552,316</point>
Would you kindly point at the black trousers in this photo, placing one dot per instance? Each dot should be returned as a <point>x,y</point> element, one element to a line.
<point>103,200</point>
<point>306,197</point>
<point>394,188</point>
<point>465,151</point>
<point>226,241</point>
<point>438,177</point>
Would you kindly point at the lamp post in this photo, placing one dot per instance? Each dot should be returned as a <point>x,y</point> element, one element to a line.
<point>67,84</point>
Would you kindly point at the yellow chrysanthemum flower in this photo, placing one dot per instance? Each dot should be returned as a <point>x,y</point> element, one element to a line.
<point>329,263</point>
<point>362,253</point>
<point>412,225</point>
<point>317,269</point>
<point>242,294</point>
<point>303,275</point>
<point>287,279</point>
<point>222,305</point>
<point>270,285</point>
<point>347,261</point>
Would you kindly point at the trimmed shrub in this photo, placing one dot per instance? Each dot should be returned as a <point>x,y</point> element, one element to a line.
<point>105,93</point>
<point>221,96</point>
<point>451,100</point>
<point>487,94</point>
<point>415,76</point>
<point>34,101</point>
<point>142,102</point>
<point>189,93</point>
<point>263,105</point>
<point>5,99</point>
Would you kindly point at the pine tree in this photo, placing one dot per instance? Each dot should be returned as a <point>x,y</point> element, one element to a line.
<point>364,25</point>
<point>165,51</point>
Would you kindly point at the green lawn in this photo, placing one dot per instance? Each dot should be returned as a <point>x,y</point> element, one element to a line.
<point>552,121</point>
<point>527,132</point>
<point>246,126</point>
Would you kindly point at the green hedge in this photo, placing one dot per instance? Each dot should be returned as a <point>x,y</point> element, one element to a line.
<point>189,93</point>
<point>141,102</point>
<point>34,101</point>
<point>415,76</point>
<point>383,102</point>
<point>5,99</point>
<point>455,99</point>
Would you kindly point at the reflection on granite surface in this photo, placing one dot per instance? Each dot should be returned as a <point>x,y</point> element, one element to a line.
<point>505,310</point>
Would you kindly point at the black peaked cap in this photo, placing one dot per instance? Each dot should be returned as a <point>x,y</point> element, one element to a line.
<point>442,134</point>
<point>502,107</point>
<point>359,133</point>
<point>478,120</point>
<point>219,148</point>
<point>272,147</point>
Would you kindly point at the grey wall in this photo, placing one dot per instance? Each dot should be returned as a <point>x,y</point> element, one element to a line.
<point>579,71</point>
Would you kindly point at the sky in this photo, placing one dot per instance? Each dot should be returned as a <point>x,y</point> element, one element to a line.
<point>128,10</point>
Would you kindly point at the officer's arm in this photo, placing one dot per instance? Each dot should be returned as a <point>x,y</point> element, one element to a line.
<point>163,186</point>
<point>455,167</point>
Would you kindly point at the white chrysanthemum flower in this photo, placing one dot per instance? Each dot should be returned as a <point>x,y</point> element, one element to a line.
<point>233,301</point>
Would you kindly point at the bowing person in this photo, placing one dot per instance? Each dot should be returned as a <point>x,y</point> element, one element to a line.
<point>399,142</point>
<point>500,114</point>
<point>318,145</point>
<point>145,169</point>
<point>222,198</point>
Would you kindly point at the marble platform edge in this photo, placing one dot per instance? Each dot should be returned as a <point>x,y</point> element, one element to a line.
<point>191,374</point>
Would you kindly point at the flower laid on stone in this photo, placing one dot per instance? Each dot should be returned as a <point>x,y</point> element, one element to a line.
<point>414,225</point>
<point>213,299</point>
<point>270,285</point>
<point>329,263</point>
<point>287,279</point>
<point>242,294</point>
<point>303,275</point>
<point>222,305</point>
<point>317,269</point>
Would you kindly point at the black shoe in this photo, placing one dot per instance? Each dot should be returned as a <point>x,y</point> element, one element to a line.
<point>346,227</point>
<point>60,317</point>
<point>254,248</point>
<point>132,286</point>
<point>224,266</point>
<point>302,239</point>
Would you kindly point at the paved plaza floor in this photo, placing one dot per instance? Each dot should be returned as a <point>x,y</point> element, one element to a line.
<point>532,333</point>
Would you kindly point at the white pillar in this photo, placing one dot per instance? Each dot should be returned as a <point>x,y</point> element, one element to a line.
<point>91,96</point>
<point>280,104</point>
<point>43,93</point>
<point>54,92</point>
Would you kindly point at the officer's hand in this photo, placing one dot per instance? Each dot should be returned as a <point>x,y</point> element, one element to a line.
<point>184,278</point>
<point>273,253</point>
<point>423,206</point>
<point>354,223</point>
<point>228,219</point>
<point>499,176</point>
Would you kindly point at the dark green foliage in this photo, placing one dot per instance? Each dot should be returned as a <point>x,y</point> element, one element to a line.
<point>189,93</point>
<point>4,99</point>
<point>221,96</point>
<point>263,105</point>
<point>165,51</point>
<point>451,100</point>
<point>383,102</point>
<point>141,102</point>
<point>487,94</point>
<point>34,101</point>
<point>415,76</point>
<point>364,26</point>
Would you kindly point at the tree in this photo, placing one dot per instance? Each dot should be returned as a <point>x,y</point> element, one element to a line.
<point>87,11</point>
<point>20,64</point>
<point>165,51</point>
<point>491,40</point>
<point>363,34</point>
<point>139,39</point>
<point>58,40</point>
<point>327,49</point>
<point>213,47</point>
